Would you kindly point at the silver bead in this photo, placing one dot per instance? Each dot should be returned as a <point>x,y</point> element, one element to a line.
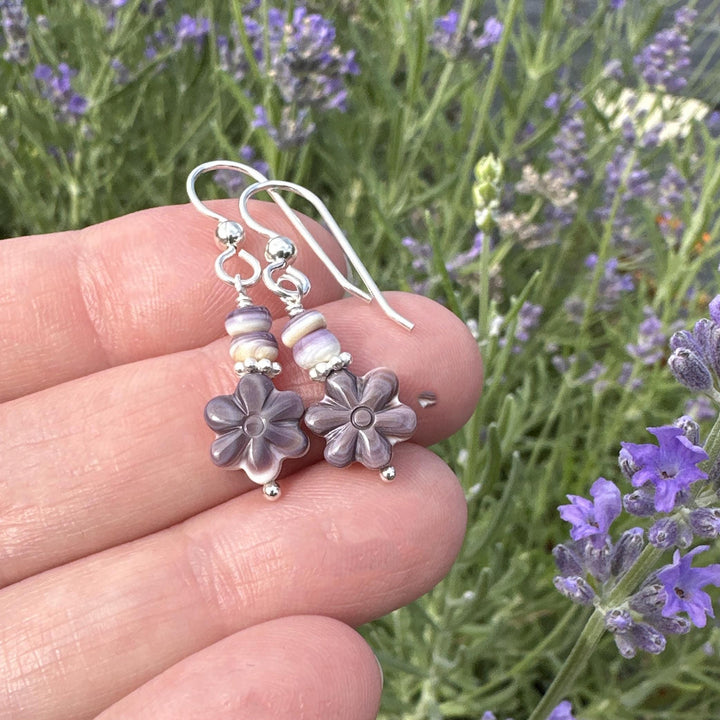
<point>264,365</point>
<point>336,363</point>
<point>271,490</point>
<point>346,357</point>
<point>251,365</point>
<point>280,248</point>
<point>229,233</point>
<point>387,474</point>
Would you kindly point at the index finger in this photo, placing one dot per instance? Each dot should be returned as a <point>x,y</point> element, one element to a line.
<point>139,286</point>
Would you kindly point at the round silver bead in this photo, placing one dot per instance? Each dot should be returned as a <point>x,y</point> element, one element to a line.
<point>264,365</point>
<point>271,490</point>
<point>388,473</point>
<point>251,365</point>
<point>336,363</point>
<point>346,357</point>
<point>280,248</point>
<point>229,233</point>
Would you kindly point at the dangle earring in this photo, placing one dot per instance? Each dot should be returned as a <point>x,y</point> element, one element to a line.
<point>361,418</point>
<point>258,426</point>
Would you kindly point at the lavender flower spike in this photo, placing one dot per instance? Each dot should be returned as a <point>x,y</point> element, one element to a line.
<point>589,519</point>
<point>671,466</point>
<point>683,585</point>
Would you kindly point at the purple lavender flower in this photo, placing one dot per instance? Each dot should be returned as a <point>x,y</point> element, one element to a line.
<point>14,21</point>
<point>293,130</point>
<point>701,408</point>
<point>671,466</point>
<point>562,711</point>
<point>462,259</point>
<point>651,341</point>
<point>612,283</point>
<point>308,69</point>
<point>191,29</point>
<point>109,8</point>
<point>234,182</point>
<point>57,88</point>
<point>664,61</point>
<point>590,519</point>
<point>231,52</point>
<point>527,320</point>
<point>472,44</point>
<point>684,587</point>
<point>568,170</point>
<point>575,588</point>
<point>703,342</point>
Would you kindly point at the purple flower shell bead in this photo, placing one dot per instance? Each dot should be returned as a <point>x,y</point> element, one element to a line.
<point>257,427</point>
<point>361,418</point>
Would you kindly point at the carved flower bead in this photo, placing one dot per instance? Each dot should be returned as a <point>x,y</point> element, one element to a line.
<point>257,427</point>
<point>361,418</point>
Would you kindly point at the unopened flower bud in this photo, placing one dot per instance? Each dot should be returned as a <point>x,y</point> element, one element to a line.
<point>627,465</point>
<point>625,645</point>
<point>689,370</point>
<point>567,561</point>
<point>691,430</point>
<point>647,638</point>
<point>575,588</point>
<point>626,551</point>
<point>675,625</point>
<point>597,560</point>
<point>641,502</point>
<point>663,533</point>
<point>649,600</point>
<point>705,522</point>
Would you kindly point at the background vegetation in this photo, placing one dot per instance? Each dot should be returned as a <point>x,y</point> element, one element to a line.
<point>587,234</point>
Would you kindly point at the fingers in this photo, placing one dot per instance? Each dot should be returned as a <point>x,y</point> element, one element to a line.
<point>139,286</point>
<point>285,669</point>
<point>122,453</point>
<point>339,544</point>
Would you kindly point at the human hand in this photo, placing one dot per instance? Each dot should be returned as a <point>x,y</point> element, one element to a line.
<point>140,581</point>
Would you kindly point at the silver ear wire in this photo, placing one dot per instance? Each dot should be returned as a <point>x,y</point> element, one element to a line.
<point>211,166</point>
<point>269,186</point>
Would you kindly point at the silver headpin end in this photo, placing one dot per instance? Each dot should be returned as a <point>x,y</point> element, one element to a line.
<point>229,233</point>
<point>280,248</point>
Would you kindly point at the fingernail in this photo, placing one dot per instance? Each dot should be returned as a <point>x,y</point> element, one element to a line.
<point>382,674</point>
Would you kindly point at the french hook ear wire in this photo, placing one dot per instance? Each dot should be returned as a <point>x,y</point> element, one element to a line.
<point>270,186</point>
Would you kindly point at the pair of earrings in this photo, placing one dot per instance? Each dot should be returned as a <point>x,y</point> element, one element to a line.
<point>258,426</point>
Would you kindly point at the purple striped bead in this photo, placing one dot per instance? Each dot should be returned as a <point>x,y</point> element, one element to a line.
<point>319,346</point>
<point>255,318</point>
<point>302,325</point>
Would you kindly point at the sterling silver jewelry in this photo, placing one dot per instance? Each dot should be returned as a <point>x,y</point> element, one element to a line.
<point>361,418</point>
<point>257,427</point>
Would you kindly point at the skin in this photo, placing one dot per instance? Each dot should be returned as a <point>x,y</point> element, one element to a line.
<point>137,579</point>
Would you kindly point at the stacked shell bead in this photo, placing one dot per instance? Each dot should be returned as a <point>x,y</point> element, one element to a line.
<point>314,347</point>
<point>253,347</point>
